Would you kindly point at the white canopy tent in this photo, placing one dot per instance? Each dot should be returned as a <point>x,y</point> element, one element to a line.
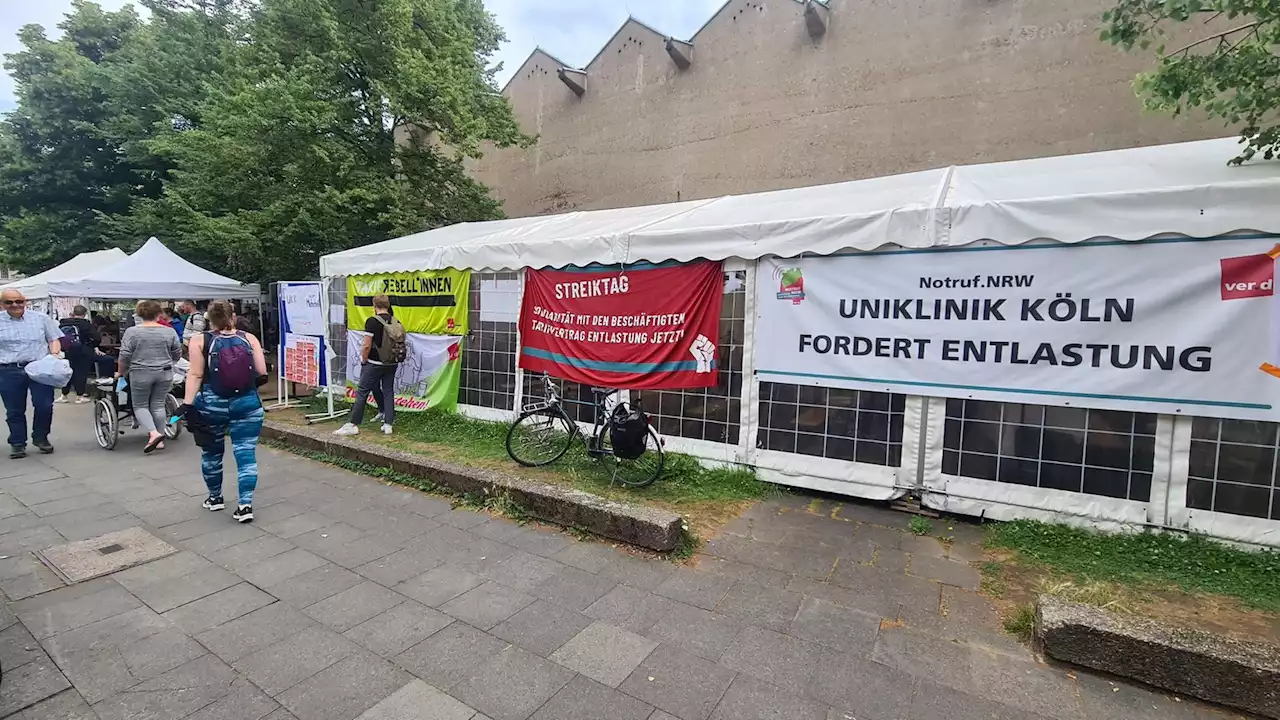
<point>154,271</point>
<point>37,286</point>
<point>1186,189</point>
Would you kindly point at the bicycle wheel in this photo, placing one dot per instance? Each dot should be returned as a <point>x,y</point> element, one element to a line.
<point>172,430</point>
<point>540,437</point>
<point>640,472</point>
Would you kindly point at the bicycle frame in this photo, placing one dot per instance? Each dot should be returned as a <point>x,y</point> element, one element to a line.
<point>552,399</point>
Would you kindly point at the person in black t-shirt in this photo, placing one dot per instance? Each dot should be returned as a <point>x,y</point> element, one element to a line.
<point>377,373</point>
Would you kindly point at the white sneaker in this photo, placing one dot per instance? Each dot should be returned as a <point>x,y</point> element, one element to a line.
<point>83,399</point>
<point>386,429</point>
<point>61,399</point>
<point>347,429</point>
<point>379,418</point>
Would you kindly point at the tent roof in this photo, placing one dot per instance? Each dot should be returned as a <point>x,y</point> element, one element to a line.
<point>1134,194</point>
<point>77,267</point>
<point>154,271</point>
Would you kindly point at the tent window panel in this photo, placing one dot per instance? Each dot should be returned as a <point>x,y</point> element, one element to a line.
<point>833,423</point>
<point>1233,468</point>
<point>701,414</point>
<point>1093,452</point>
<point>489,354</point>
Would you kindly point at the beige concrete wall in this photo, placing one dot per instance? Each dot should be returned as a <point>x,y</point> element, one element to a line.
<point>894,86</point>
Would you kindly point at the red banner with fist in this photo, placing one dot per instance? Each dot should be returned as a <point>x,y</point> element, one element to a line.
<point>646,327</point>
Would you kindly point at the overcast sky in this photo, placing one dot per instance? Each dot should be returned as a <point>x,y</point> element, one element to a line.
<point>572,30</point>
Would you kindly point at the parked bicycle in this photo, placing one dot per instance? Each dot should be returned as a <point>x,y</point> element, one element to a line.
<point>622,438</point>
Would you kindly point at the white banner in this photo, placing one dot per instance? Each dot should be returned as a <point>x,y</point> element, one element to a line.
<point>1164,326</point>
<point>301,303</point>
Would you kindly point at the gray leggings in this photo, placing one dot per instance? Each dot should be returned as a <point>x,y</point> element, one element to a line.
<point>147,389</point>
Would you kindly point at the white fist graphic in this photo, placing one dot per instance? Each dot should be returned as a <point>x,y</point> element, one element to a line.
<point>704,351</point>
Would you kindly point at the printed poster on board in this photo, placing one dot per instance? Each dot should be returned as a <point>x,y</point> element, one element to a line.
<point>1177,326</point>
<point>427,302</point>
<point>428,378</point>
<point>645,327</point>
<point>301,359</point>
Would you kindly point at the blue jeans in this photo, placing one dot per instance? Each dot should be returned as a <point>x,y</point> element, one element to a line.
<point>14,388</point>
<point>241,418</point>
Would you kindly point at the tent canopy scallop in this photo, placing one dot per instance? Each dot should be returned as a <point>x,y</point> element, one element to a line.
<point>154,271</point>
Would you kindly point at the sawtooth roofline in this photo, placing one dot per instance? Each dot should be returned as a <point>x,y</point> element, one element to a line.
<point>630,19</point>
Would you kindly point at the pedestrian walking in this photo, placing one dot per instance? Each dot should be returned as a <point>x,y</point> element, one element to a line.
<point>227,368</point>
<point>383,350</point>
<point>194,322</point>
<point>147,354</point>
<point>80,342</point>
<point>25,336</point>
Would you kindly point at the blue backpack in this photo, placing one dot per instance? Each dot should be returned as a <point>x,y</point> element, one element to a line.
<point>228,365</point>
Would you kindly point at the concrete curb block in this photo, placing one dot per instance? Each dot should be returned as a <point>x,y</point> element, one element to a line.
<point>635,524</point>
<point>1239,674</point>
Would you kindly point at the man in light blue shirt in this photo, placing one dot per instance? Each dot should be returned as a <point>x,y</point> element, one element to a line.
<point>25,336</point>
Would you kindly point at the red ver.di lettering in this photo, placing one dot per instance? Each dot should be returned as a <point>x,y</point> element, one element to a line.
<point>644,327</point>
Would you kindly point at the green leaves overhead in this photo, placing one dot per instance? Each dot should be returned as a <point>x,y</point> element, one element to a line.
<point>1228,66</point>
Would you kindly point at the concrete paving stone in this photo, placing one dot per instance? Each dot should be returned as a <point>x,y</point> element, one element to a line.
<point>1102,697</point>
<point>29,684</point>
<point>176,694</point>
<point>1022,682</point>
<point>392,632</point>
<point>835,626</point>
<point>165,595</point>
<point>512,685</point>
<point>251,552</point>
<point>500,529</point>
<point>296,524</point>
<point>487,605</point>
<point>543,544</point>
<point>328,537</point>
<point>37,537</point>
<point>418,701</point>
<point>604,653</point>
<point>922,546</point>
<point>923,655</point>
<point>661,715</point>
<point>937,702</point>
<point>439,585</point>
<point>210,543</point>
<point>542,627</point>
<point>15,473</point>
<point>423,504</point>
<point>862,689</point>
<point>242,701</point>
<point>206,522</point>
<point>166,511</point>
<point>18,565</point>
<point>313,586</point>
<point>254,631</point>
<point>357,553</point>
<point>278,569</point>
<point>705,565</point>
<point>767,607</point>
<point>281,714</point>
<point>617,605</point>
<point>573,588</point>
<point>946,571</point>
<point>66,705</point>
<point>24,521</point>
<point>349,608</point>
<point>450,655</point>
<point>894,562</point>
<point>967,617</point>
<point>72,607</point>
<point>643,573</point>
<point>750,698</point>
<point>783,660</point>
<point>104,670</point>
<point>886,593</point>
<point>9,506</point>
<point>86,524</point>
<point>700,590</point>
<point>462,518</point>
<point>966,552</point>
<point>586,699</point>
<point>388,522</point>
<point>684,685</point>
<point>278,667</point>
<point>475,555</point>
<point>121,629</point>
<point>692,629</point>
<point>62,499</point>
<point>587,555</point>
<point>345,690</point>
<point>17,647</point>
<point>137,491</point>
<point>218,608</point>
<point>523,571</point>
<point>25,586</point>
<point>398,567</point>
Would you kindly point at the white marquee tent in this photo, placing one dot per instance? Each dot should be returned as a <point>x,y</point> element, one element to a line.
<point>154,271</point>
<point>37,286</point>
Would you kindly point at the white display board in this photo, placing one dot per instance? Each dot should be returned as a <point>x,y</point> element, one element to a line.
<point>302,305</point>
<point>1165,326</point>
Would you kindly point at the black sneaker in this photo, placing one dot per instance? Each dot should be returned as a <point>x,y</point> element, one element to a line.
<point>17,452</point>
<point>43,446</point>
<point>214,503</point>
<point>243,514</point>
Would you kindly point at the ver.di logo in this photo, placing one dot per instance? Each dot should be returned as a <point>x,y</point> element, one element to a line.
<point>790,284</point>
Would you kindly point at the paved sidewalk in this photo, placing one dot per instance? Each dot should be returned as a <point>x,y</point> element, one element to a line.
<point>352,599</point>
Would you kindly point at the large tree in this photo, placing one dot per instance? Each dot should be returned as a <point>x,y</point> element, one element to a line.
<point>1229,67</point>
<point>338,123</point>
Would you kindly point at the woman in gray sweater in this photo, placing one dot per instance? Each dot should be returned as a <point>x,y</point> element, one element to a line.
<point>147,354</point>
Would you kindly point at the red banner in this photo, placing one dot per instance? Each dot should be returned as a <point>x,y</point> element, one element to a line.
<point>646,327</point>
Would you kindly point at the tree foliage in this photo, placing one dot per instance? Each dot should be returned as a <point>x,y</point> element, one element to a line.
<point>258,135</point>
<point>1231,70</point>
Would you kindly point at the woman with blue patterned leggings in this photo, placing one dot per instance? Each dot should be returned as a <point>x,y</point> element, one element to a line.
<point>215,415</point>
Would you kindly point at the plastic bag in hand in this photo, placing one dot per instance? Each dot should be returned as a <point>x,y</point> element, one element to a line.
<point>50,370</point>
